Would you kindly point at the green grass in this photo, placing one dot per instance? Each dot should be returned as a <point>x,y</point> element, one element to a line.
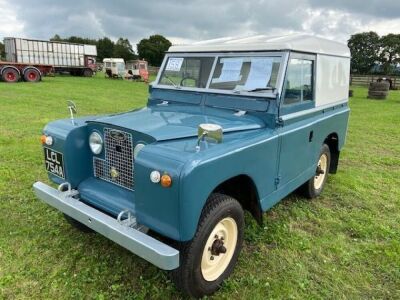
<point>345,244</point>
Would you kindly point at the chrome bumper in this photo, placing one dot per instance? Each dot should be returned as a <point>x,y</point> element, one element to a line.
<point>148,248</point>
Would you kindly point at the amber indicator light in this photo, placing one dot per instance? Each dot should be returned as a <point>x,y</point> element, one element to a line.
<point>166,180</point>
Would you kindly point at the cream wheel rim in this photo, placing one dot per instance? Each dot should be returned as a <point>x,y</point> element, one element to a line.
<point>214,262</point>
<point>322,169</point>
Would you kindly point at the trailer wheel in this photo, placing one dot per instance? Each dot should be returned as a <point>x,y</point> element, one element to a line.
<point>87,73</point>
<point>32,75</point>
<point>10,75</point>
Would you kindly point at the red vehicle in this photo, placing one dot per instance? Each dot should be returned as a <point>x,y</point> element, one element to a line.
<point>137,70</point>
<point>75,59</point>
<point>13,72</point>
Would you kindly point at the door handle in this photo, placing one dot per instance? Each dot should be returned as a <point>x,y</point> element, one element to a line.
<point>311,136</point>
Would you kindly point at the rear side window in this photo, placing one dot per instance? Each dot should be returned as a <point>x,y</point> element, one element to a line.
<point>299,85</point>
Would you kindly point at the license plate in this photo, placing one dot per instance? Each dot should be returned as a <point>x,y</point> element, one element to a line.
<point>54,162</point>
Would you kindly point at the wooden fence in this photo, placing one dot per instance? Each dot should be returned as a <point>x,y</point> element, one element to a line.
<point>153,70</point>
<point>364,80</point>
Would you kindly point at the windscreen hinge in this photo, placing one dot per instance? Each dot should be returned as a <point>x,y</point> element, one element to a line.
<point>240,113</point>
<point>277,181</point>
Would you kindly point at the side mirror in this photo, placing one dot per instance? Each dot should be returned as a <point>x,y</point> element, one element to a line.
<point>209,132</point>
<point>72,110</point>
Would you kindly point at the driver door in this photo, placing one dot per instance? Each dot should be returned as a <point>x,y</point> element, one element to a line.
<point>297,133</point>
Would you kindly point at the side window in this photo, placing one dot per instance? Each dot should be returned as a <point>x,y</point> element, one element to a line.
<point>299,81</point>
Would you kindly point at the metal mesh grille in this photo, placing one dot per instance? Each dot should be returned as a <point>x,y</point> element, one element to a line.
<point>117,167</point>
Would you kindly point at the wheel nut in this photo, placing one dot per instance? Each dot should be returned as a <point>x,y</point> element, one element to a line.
<point>212,258</point>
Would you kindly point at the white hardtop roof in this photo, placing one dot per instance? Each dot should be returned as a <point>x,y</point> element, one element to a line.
<point>295,42</point>
<point>113,60</point>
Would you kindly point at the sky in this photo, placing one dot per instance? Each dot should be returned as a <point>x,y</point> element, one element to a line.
<point>196,20</point>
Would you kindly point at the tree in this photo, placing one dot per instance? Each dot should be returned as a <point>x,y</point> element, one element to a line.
<point>390,52</point>
<point>123,49</point>
<point>74,39</point>
<point>364,49</point>
<point>153,49</point>
<point>2,52</point>
<point>56,38</point>
<point>105,48</point>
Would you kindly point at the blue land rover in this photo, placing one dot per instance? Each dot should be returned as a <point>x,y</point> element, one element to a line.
<point>229,126</point>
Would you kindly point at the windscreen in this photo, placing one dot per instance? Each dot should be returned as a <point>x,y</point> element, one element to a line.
<point>246,73</point>
<point>187,71</point>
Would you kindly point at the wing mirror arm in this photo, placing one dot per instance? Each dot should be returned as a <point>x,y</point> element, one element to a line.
<point>212,132</point>
<point>72,110</point>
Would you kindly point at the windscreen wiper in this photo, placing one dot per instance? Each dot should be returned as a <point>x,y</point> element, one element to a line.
<point>268,88</point>
<point>173,83</point>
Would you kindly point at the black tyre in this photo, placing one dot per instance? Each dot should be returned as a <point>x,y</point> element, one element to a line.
<point>10,75</point>
<point>32,75</point>
<point>77,225</point>
<point>211,255</point>
<point>87,73</point>
<point>315,185</point>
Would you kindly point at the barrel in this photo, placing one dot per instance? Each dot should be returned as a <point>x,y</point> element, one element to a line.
<point>378,90</point>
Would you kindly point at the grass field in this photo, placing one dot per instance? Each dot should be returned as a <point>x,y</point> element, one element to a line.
<point>343,245</point>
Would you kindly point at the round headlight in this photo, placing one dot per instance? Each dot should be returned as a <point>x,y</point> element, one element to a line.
<point>137,149</point>
<point>95,143</point>
<point>155,177</point>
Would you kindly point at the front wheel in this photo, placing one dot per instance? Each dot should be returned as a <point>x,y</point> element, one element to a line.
<point>87,73</point>
<point>211,255</point>
<point>315,185</point>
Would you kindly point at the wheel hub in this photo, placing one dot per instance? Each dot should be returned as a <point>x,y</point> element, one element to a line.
<point>10,76</point>
<point>320,172</point>
<point>218,246</point>
<point>219,249</point>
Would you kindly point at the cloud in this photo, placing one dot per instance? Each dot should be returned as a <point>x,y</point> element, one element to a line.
<point>9,23</point>
<point>187,21</point>
<point>371,8</point>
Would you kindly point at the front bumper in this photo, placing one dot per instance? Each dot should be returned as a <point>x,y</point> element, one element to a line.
<point>148,248</point>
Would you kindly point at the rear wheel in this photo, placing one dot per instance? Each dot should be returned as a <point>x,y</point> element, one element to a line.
<point>10,75</point>
<point>211,255</point>
<point>314,187</point>
<point>31,75</point>
<point>77,225</point>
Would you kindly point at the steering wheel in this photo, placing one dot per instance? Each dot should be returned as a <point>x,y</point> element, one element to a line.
<point>186,78</point>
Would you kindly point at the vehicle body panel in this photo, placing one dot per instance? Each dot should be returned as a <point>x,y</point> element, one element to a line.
<point>274,144</point>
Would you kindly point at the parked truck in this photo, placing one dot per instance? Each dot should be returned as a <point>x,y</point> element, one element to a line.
<point>76,59</point>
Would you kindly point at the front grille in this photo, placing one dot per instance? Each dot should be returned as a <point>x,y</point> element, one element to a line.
<point>117,167</point>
